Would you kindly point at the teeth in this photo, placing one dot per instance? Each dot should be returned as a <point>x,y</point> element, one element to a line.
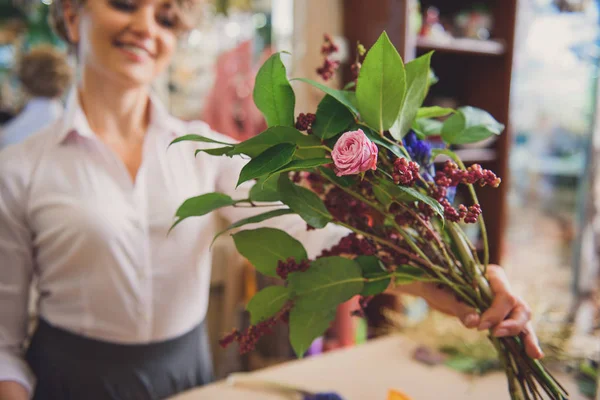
<point>134,49</point>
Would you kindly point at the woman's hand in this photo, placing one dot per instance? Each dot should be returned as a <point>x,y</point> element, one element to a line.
<point>10,390</point>
<point>508,315</point>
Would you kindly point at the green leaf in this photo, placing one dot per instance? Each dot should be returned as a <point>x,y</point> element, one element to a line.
<point>255,219</point>
<point>417,77</point>
<point>265,247</point>
<point>304,202</point>
<point>332,118</point>
<point>381,86</point>
<point>434,112</point>
<point>424,127</point>
<point>197,138</point>
<point>373,268</point>
<point>219,151</point>
<point>343,181</point>
<point>298,165</point>
<point>201,205</point>
<point>271,137</point>
<point>264,191</point>
<point>470,125</point>
<point>328,282</point>
<point>306,326</point>
<point>375,138</point>
<point>267,162</point>
<point>388,193</point>
<point>407,274</point>
<point>434,204</point>
<point>267,303</point>
<point>343,96</point>
<point>273,94</point>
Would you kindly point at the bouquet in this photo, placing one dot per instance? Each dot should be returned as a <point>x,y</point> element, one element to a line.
<point>363,162</point>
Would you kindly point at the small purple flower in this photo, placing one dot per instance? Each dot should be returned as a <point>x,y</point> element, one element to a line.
<point>419,150</point>
<point>451,193</point>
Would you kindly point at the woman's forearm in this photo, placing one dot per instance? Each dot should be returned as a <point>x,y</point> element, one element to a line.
<point>11,390</point>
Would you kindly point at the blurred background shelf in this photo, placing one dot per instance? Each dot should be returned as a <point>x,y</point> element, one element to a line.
<point>463,46</point>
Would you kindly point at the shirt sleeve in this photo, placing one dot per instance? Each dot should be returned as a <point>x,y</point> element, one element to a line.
<point>16,267</point>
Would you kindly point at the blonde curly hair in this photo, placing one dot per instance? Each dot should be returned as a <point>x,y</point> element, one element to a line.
<point>44,72</point>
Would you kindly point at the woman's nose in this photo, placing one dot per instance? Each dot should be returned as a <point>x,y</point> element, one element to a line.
<point>144,22</point>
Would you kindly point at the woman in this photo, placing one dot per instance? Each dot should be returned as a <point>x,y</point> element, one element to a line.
<point>85,208</point>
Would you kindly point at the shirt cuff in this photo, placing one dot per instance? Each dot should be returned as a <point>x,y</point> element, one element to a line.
<point>14,368</point>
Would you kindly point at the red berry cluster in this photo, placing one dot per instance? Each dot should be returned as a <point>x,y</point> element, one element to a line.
<point>451,213</point>
<point>347,209</point>
<point>289,266</point>
<point>451,175</point>
<point>473,214</point>
<point>351,244</point>
<point>316,182</point>
<point>304,122</point>
<point>328,47</point>
<point>469,215</point>
<point>329,66</point>
<point>405,172</point>
<point>247,339</point>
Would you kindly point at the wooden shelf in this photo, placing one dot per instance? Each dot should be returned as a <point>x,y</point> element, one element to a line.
<point>463,46</point>
<point>471,156</point>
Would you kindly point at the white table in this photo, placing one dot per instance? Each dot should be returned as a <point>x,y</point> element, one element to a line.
<point>366,372</point>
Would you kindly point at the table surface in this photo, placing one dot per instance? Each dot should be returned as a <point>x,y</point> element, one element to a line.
<point>368,371</point>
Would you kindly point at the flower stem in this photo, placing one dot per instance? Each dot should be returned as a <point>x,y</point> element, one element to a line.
<point>484,236</point>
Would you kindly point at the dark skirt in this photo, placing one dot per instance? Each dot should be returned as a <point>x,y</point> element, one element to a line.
<point>72,367</point>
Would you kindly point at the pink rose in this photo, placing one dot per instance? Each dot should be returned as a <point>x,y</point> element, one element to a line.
<point>354,153</point>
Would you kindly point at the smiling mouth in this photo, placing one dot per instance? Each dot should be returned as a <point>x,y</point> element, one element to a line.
<point>137,50</point>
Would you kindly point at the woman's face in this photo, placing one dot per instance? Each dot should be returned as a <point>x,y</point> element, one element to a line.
<point>131,41</point>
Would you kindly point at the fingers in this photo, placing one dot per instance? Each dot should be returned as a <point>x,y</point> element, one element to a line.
<point>516,322</point>
<point>530,341</point>
<point>502,306</point>
<point>504,301</point>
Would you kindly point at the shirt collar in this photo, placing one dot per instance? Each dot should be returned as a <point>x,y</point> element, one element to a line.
<point>75,121</point>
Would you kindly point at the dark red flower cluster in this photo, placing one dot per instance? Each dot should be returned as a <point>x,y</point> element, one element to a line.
<point>351,244</point>
<point>316,182</point>
<point>451,175</point>
<point>290,265</point>
<point>247,340</point>
<point>469,215</point>
<point>329,66</point>
<point>405,172</point>
<point>304,122</point>
<point>328,47</point>
<point>438,192</point>
<point>355,70</point>
<point>347,209</point>
<point>473,214</point>
<point>451,213</point>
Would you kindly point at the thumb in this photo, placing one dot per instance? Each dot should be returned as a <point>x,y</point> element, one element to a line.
<point>467,315</point>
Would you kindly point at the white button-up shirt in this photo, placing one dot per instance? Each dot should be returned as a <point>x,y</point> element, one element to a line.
<point>97,241</point>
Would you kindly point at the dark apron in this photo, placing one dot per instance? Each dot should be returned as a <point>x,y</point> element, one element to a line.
<point>72,367</point>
